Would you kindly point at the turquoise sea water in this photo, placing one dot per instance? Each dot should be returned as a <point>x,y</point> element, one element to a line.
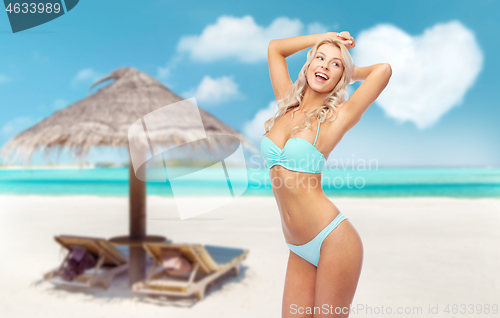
<point>395,182</point>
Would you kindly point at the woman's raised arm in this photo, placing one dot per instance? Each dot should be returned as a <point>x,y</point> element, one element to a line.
<point>375,78</point>
<point>277,52</point>
<point>288,46</point>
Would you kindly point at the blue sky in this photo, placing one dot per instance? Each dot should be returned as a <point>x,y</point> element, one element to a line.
<point>439,109</point>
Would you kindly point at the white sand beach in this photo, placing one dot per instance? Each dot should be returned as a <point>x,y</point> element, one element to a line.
<point>419,252</point>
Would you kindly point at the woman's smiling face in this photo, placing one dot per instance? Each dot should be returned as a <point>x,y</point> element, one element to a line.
<point>327,62</point>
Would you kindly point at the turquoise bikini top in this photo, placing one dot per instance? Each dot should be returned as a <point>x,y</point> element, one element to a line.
<point>297,155</point>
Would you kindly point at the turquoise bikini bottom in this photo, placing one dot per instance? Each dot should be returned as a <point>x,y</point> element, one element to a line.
<point>311,250</point>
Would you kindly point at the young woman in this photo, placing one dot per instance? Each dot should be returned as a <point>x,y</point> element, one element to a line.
<point>323,265</point>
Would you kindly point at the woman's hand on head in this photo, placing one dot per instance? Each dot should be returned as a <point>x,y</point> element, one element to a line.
<point>344,37</point>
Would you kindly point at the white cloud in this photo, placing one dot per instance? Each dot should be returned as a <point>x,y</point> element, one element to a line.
<point>56,105</point>
<point>214,90</point>
<point>240,38</point>
<point>3,79</point>
<point>16,125</point>
<point>87,75</point>
<point>254,128</point>
<point>60,103</point>
<point>316,28</point>
<point>431,73</point>
<point>165,72</point>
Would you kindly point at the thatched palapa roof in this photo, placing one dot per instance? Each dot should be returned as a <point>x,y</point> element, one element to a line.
<point>104,118</point>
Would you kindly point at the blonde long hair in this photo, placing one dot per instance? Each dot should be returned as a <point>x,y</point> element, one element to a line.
<point>294,95</point>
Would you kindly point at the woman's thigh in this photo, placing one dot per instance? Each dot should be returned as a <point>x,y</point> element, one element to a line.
<point>338,271</point>
<point>300,281</point>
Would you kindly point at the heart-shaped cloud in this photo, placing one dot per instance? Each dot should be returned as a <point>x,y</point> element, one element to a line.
<point>431,72</point>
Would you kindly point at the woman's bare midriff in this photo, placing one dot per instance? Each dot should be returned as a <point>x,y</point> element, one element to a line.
<point>304,208</point>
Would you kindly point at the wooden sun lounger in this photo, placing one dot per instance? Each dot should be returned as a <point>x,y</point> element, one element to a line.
<point>111,261</point>
<point>209,263</point>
